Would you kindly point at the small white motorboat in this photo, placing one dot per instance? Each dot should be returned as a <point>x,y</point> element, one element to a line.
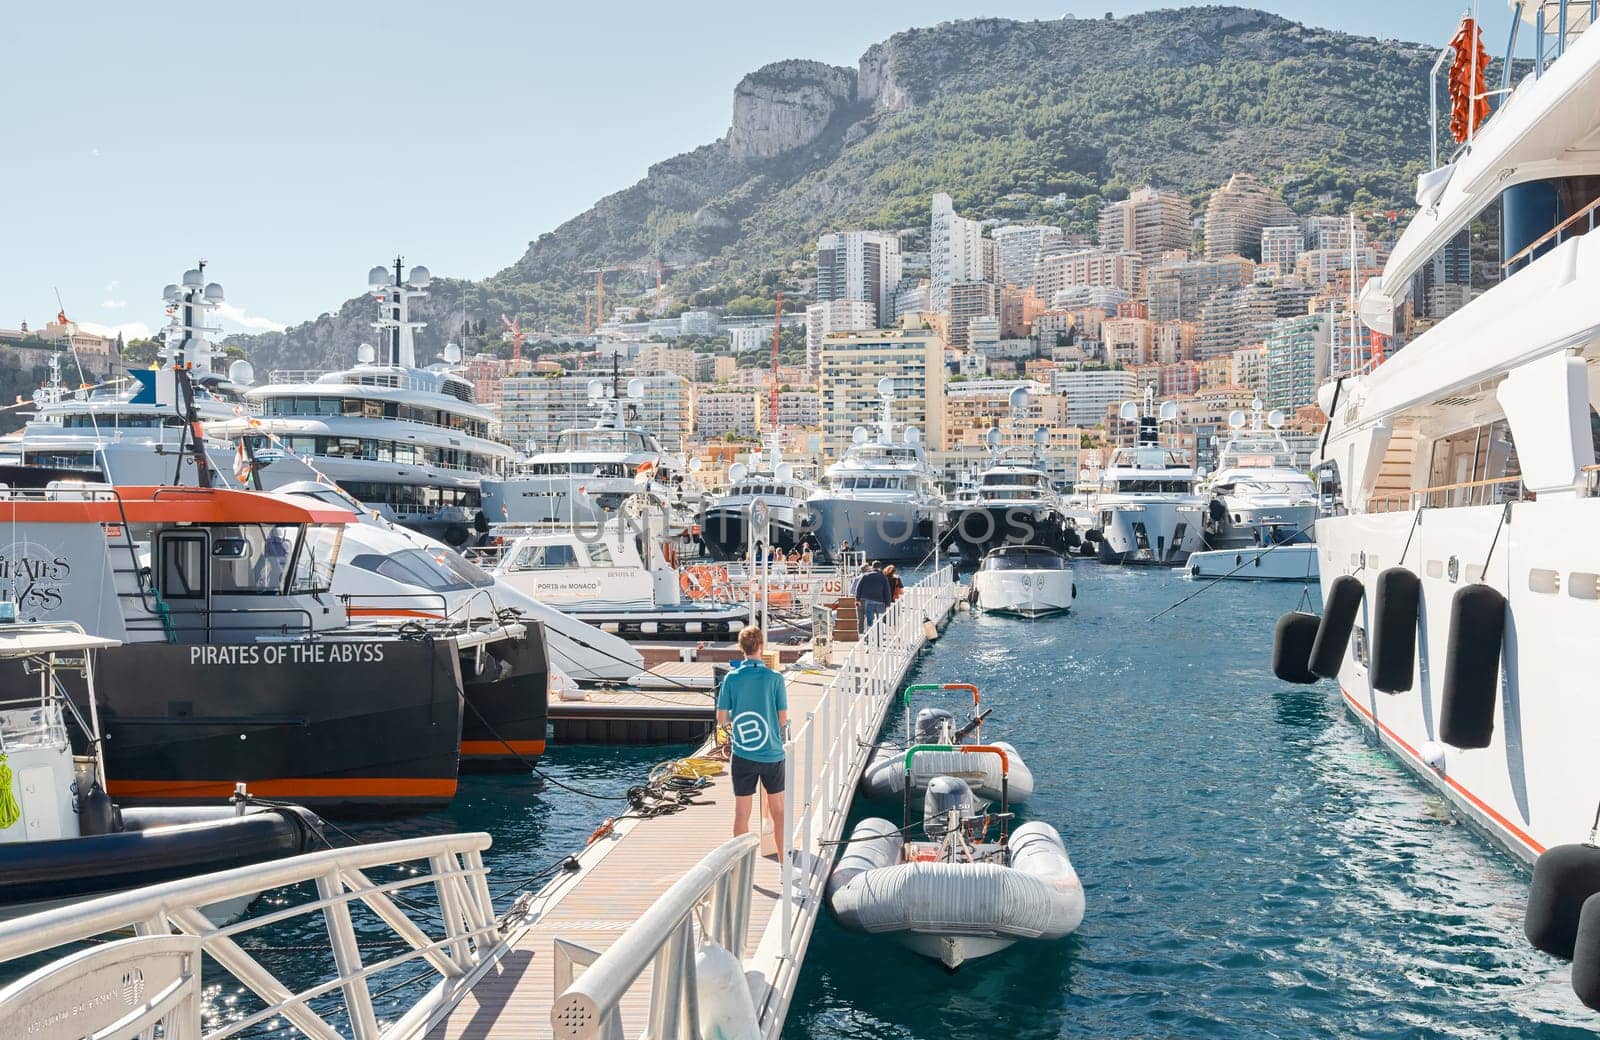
<point>1025,580</point>
<point>1297,562</point>
<point>958,895</point>
<point>886,775</point>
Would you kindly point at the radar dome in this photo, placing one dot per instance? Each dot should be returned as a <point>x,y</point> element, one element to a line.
<point>1169,411</point>
<point>1019,398</point>
<point>366,353</point>
<point>913,435</point>
<point>378,277</point>
<point>595,389</point>
<point>695,464</point>
<point>1275,418</point>
<point>452,353</point>
<point>1041,436</point>
<point>1129,411</point>
<point>242,372</point>
<point>737,471</point>
<point>1235,419</point>
<point>886,386</point>
<point>859,436</point>
<point>420,277</point>
<point>214,292</point>
<point>193,279</point>
<point>636,389</point>
<point>784,472</point>
<point>992,438</point>
<point>171,293</point>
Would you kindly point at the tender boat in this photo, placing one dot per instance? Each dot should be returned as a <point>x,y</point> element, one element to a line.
<point>1150,510</point>
<point>1026,580</point>
<point>886,775</point>
<point>1283,562</point>
<point>61,837</point>
<point>958,894</point>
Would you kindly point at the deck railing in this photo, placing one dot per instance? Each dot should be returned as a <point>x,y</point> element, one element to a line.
<point>1497,491</point>
<point>464,939</point>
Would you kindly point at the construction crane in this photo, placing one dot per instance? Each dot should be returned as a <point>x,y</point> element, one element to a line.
<point>592,320</point>
<point>773,399</point>
<point>514,330</point>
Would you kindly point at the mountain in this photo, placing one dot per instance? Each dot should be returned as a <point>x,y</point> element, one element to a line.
<point>1016,120</point>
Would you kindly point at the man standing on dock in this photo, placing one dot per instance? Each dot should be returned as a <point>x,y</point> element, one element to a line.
<point>753,705</point>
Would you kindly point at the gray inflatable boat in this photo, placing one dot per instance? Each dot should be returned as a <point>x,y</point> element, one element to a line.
<point>885,775</point>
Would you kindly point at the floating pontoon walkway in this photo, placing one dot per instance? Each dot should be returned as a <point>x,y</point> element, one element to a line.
<point>638,894</point>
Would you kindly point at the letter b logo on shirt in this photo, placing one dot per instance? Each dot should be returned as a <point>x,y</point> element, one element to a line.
<point>749,731</point>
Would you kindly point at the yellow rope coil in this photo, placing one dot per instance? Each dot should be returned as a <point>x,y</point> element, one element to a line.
<point>10,811</point>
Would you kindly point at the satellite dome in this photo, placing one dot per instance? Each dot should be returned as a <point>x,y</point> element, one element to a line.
<point>595,389</point>
<point>886,386</point>
<point>452,353</point>
<point>859,436</point>
<point>420,277</point>
<point>1019,398</point>
<point>378,277</point>
<point>1275,418</point>
<point>366,353</point>
<point>171,293</point>
<point>1169,411</point>
<point>1235,419</point>
<point>737,471</point>
<point>636,389</point>
<point>1129,411</point>
<point>992,438</point>
<point>242,372</point>
<point>214,292</point>
<point>193,279</point>
<point>784,472</point>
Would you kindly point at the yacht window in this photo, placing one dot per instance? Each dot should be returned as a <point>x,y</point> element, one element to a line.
<point>1476,466</point>
<point>319,552</point>
<point>251,559</point>
<point>432,571</point>
<point>183,568</point>
<point>1330,493</point>
<point>599,554</point>
<point>1025,559</point>
<point>544,557</point>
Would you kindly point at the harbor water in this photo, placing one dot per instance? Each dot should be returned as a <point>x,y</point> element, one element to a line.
<point>1254,865</point>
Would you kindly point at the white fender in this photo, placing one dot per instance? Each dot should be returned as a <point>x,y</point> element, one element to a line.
<point>726,1010</point>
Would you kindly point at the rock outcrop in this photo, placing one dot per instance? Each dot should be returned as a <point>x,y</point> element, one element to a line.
<point>787,105</point>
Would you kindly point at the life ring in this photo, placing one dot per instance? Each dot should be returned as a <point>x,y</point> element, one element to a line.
<point>685,583</point>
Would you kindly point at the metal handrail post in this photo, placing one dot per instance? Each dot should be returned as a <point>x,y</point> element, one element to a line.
<point>347,958</point>
<point>1538,43</point>
<point>811,780</point>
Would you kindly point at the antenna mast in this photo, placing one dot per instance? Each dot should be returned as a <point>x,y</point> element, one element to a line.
<point>773,396</point>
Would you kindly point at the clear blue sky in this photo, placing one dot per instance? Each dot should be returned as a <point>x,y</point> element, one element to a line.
<point>295,144</point>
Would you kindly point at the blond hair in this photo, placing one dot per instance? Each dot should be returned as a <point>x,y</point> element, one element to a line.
<point>750,640</point>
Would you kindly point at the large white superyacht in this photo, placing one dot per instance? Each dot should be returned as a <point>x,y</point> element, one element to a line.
<point>1150,510</point>
<point>1265,499</point>
<point>1460,580</point>
<point>408,441</point>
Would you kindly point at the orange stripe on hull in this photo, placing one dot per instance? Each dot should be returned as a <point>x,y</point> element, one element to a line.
<point>497,748</point>
<point>393,612</point>
<point>365,788</point>
<point>1455,786</point>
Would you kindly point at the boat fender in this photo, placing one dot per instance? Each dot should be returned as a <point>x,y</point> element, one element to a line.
<point>1338,619</point>
<point>1072,538</point>
<point>1291,647</point>
<point>1074,590</point>
<point>725,1010</point>
<point>930,631</point>
<point>456,534</point>
<point>1094,534</point>
<point>1472,667</point>
<point>1564,877</point>
<point>96,813</point>
<point>1395,605</point>
<point>1586,955</point>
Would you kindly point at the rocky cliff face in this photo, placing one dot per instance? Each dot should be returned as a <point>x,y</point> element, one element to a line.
<point>787,105</point>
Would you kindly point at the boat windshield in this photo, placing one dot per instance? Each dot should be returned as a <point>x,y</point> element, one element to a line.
<point>1151,458</point>
<point>621,441</point>
<point>1155,487</point>
<point>1266,487</point>
<point>1028,558</point>
<point>437,572</point>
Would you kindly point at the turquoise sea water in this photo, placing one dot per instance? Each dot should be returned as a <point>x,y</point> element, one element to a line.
<point>1254,865</point>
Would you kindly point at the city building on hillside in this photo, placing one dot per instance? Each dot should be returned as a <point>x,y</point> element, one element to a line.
<point>535,408</point>
<point>971,365</point>
<point>485,371</point>
<point>1330,268</point>
<point>968,300</point>
<point>1052,328</point>
<point>722,367</point>
<point>1128,341</point>
<point>1090,391</point>
<point>1237,212</point>
<point>912,297</point>
<point>744,338</point>
<point>823,319</point>
<point>1148,222</point>
<point>1179,379</point>
<point>1176,341</point>
<point>1248,368</point>
<point>983,336</point>
<point>1177,290</point>
<point>799,409</point>
<point>851,365</point>
<point>1018,309</point>
<point>720,412</point>
<point>955,252</point>
<point>1018,247</point>
<point>1216,371</point>
<point>979,404</point>
<point>1297,360</point>
<point>653,360</point>
<point>1332,233</point>
<point>1235,318</point>
<point>860,265</point>
<point>1121,269</point>
<point>1280,245</point>
<point>697,323</point>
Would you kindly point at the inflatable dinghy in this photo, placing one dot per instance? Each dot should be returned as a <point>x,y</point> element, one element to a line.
<point>885,775</point>
<point>957,895</point>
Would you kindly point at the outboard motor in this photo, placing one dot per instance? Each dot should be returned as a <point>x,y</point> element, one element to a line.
<point>948,804</point>
<point>934,726</point>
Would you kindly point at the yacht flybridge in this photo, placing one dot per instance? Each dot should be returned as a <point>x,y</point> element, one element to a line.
<point>881,498</point>
<point>1150,510</point>
<point>1015,502</point>
<point>1459,572</point>
<point>134,431</point>
<point>408,441</point>
<point>770,480</point>
<point>589,472</point>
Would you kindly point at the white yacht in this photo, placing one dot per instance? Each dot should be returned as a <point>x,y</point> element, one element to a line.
<point>1150,509</point>
<point>773,482</point>
<point>587,474</point>
<point>881,498</point>
<point>1461,473</point>
<point>407,441</point>
<point>135,431</point>
<point>1263,498</point>
<point>1026,580</point>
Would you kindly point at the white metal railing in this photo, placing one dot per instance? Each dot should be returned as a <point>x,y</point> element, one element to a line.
<point>663,938</point>
<point>464,940</point>
<point>824,760</point>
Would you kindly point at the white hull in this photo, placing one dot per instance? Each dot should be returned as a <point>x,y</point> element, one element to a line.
<point>1535,785</point>
<point>1150,530</point>
<point>953,950</point>
<point>1028,593</point>
<point>1284,563</point>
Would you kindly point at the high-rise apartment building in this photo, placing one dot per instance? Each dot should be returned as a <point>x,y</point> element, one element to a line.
<point>535,408</point>
<point>1089,391</point>
<point>1237,212</point>
<point>955,251</point>
<point>1177,290</point>
<point>1018,309</point>
<point>1128,341</point>
<point>1280,245</point>
<point>1148,222</point>
<point>851,365</point>
<point>719,412</point>
<point>1018,247</point>
<point>834,316</point>
<point>1297,360</point>
<point>970,300</point>
<point>1248,368</point>
<point>1089,267</point>
<point>1235,318</point>
<point>860,265</point>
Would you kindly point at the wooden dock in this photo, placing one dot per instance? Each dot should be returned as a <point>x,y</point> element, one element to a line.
<point>621,875</point>
<point>634,717</point>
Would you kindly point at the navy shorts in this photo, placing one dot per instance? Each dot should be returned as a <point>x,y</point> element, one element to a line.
<point>746,774</point>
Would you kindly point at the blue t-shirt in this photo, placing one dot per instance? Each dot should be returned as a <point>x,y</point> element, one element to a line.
<point>752,695</point>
